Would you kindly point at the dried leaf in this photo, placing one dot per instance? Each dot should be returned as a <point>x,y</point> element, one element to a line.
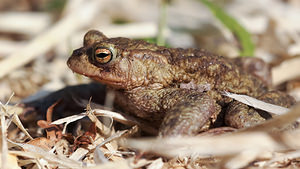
<point>253,102</point>
<point>42,142</point>
<point>86,138</point>
<point>69,119</point>
<point>38,152</point>
<point>156,164</point>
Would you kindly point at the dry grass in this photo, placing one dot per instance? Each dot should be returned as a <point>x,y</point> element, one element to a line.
<point>259,146</point>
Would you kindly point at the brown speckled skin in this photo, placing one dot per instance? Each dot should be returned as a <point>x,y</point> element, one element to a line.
<point>147,80</point>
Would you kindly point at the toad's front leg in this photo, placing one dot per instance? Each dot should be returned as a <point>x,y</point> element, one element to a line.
<point>192,112</point>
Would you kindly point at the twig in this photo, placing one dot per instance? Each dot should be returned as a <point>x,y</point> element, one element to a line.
<point>29,23</point>
<point>4,146</point>
<point>287,70</point>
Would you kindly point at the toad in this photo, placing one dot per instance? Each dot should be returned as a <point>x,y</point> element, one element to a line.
<point>179,90</point>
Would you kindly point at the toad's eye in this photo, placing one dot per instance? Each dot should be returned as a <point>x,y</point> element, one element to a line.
<point>103,55</point>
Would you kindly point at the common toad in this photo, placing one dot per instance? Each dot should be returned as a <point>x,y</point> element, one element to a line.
<point>178,89</point>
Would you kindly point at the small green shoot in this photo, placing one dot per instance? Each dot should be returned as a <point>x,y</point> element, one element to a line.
<point>240,32</point>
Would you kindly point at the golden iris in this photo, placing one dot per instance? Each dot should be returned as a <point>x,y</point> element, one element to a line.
<point>103,55</point>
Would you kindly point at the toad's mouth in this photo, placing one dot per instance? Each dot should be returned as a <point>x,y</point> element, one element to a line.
<point>94,73</point>
<point>111,82</point>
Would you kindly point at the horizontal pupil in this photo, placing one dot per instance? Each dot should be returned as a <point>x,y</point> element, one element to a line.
<point>102,55</point>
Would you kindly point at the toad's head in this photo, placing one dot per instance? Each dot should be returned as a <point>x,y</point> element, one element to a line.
<point>121,63</point>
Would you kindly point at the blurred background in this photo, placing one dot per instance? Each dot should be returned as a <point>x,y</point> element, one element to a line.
<point>38,36</point>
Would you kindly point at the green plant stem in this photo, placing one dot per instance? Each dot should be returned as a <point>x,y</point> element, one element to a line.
<point>162,25</point>
<point>240,32</point>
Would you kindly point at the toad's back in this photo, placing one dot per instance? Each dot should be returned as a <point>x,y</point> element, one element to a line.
<point>219,72</point>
